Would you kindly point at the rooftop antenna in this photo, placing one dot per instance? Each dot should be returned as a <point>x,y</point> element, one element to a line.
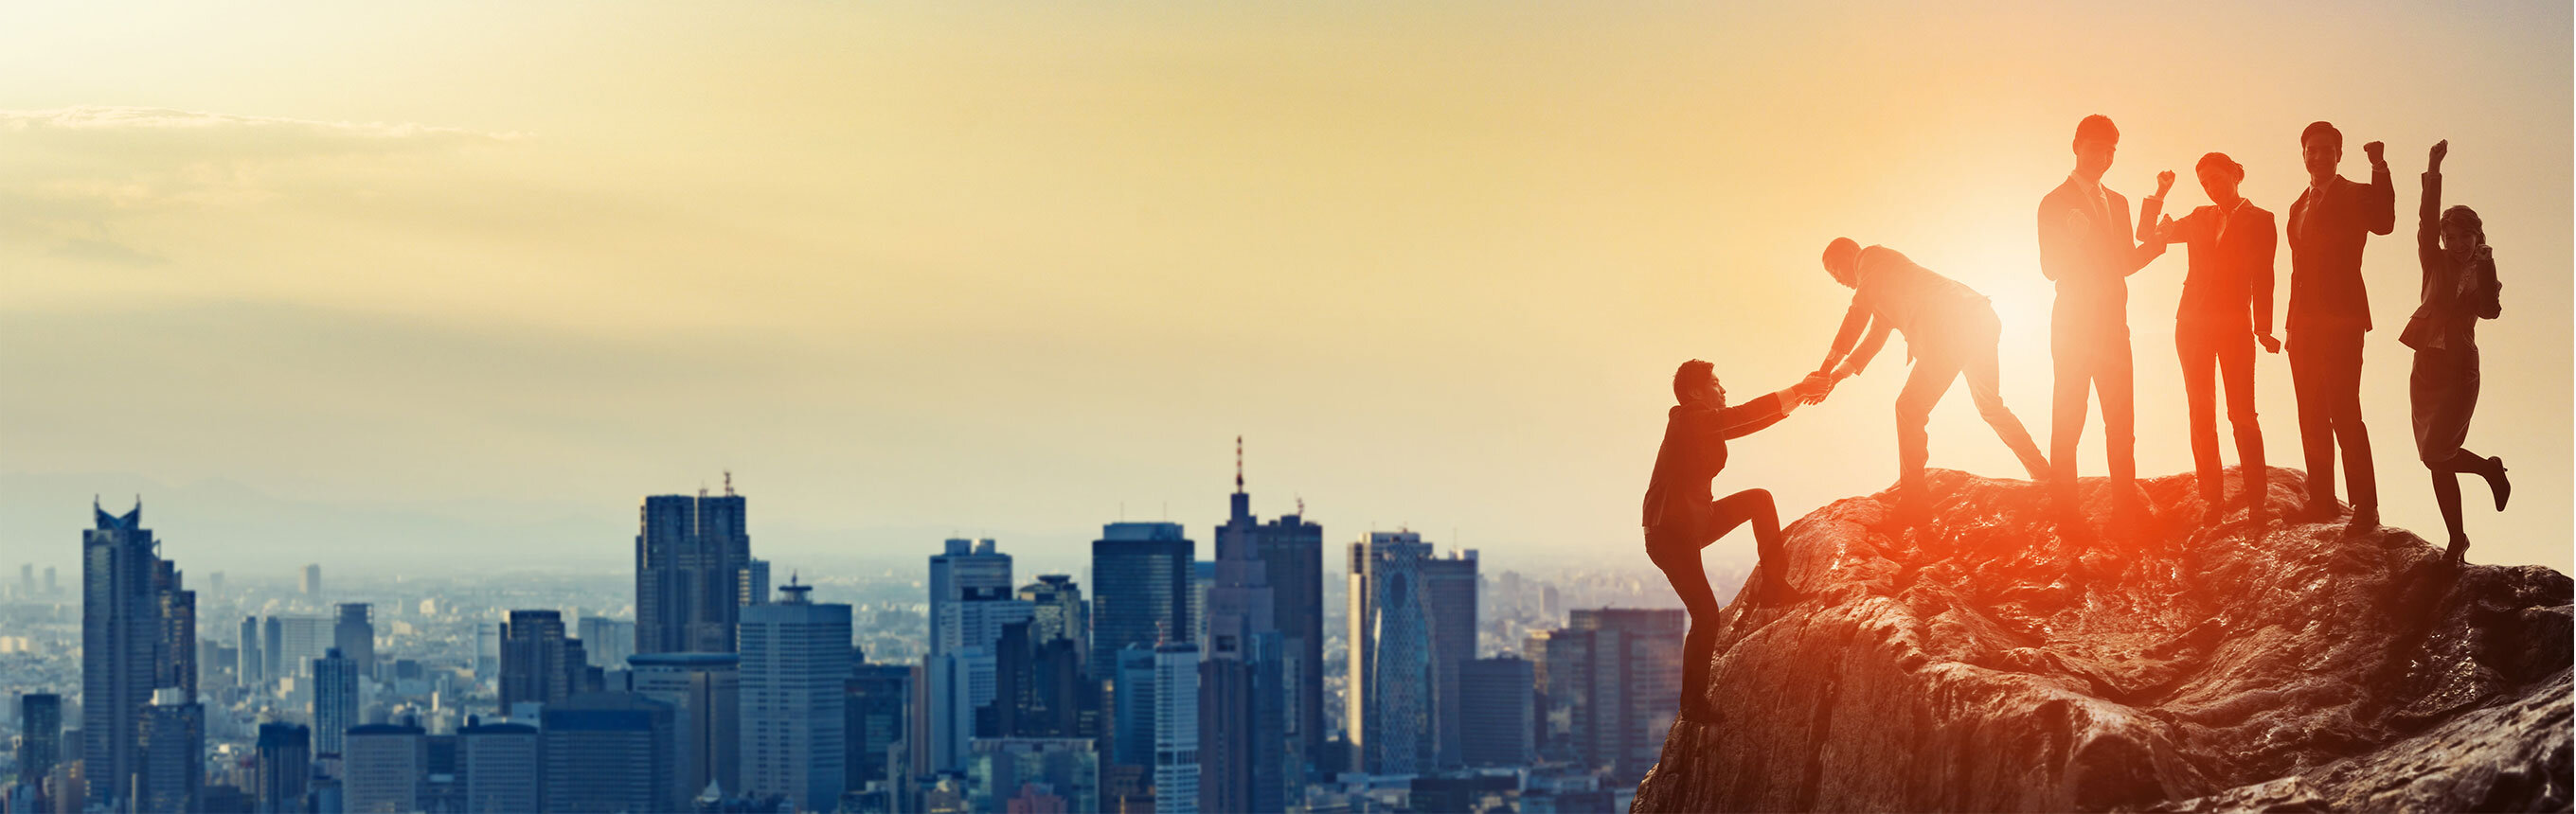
<point>1301,505</point>
<point>1238,464</point>
<point>728,483</point>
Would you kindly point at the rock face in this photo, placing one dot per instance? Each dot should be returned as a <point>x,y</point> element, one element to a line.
<point>1980,660</point>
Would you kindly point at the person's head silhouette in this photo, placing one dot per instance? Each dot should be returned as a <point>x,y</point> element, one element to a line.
<point>1842,258</point>
<point>2462,231</point>
<point>1696,382</point>
<point>2095,140</point>
<point>2320,149</point>
<point>2220,176</point>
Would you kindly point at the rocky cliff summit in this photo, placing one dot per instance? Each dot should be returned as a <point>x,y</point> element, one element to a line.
<point>1981,660</point>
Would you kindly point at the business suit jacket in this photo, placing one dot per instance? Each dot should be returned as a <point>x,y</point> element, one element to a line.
<point>1694,451</point>
<point>2327,228</point>
<point>2455,294</point>
<point>2232,257</point>
<point>2085,246</point>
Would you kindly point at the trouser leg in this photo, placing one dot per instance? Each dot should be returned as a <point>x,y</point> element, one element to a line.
<point>2361,484</point>
<point>1924,385</point>
<point>2309,382</point>
<point>2199,405</point>
<point>2236,361</point>
<point>2115,382</point>
<point>1985,389</point>
<point>2070,391</point>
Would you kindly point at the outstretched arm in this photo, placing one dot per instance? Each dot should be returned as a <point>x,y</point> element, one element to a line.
<point>2140,254</point>
<point>1859,358</point>
<point>2428,218</point>
<point>1855,321</point>
<point>2380,205</point>
<point>2154,205</point>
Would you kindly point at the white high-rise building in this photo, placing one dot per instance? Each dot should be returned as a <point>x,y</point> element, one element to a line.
<point>795,660</point>
<point>1176,728</point>
<point>964,571</point>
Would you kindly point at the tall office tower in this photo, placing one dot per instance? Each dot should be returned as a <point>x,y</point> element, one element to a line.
<point>1131,732</point>
<point>705,694</point>
<point>1140,583</point>
<point>501,767</point>
<point>1249,759</point>
<point>284,760</point>
<point>875,713</point>
<point>1500,715</point>
<point>385,769</point>
<point>174,657</point>
<point>27,581</point>
<point>51,587</point>
<point>755,582</point>
<point>1202,578</point>
<point>1389,705</point>
<point>293,643</point>
<point>964,571</point>
<point>795,658</point>
<point>133,615</point>
<point>1246,710</point>
<point>607,642</point>
<point>249,668</point>
<point>1449,603</point>
<point>608,751</point>
<point>40,735</point>
<point>215,583</point>
<point>1058,612</point>
<point>313,581</point>
<point>1561,670</point>
<point>1615,675</point>
<point>173,745</point>
<point>1040,689</point>
<point>355,635</point>
<point>335,701</point>
<point>953,683</point>
<point>1292,556</point>
<point>1176,728</point>
<point>690,561</point>
<point>537,663</point>
<point>1001,768</point>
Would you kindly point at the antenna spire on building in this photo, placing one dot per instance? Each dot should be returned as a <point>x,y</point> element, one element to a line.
<point>1238,464</point>
<point>728,483</point>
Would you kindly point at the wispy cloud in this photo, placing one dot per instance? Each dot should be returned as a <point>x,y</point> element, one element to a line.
<point>95,121</point>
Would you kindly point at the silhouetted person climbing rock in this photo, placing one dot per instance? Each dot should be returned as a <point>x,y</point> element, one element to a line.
<point>2329,312</point>
<point>1682,517</point>
<point>2226,307</point>
<point>1950,333</point>
<point>2460,288</point>
<point>2085,246</point>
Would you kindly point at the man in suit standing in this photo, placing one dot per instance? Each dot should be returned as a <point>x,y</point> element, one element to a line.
<point>2329,313</point>
<point>2086,247</point>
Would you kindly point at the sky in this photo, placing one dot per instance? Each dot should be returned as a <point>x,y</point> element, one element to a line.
<point>420,285</point>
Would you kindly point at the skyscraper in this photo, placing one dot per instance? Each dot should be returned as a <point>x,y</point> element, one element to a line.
<point>384,769</point>
<point>40,735</point>
<point>964,571</point>
<point>293,643</point>
<point>1248,751</point>
<point>1389,703</point>
<point>607,642</point>
<point>313,581</point>
<point>537,663</point>
<point>137,635</point>
<point>1176,728</point>
<point>1292,555</point>
<point>691,561</point>
<point>705,694</point>
<point>608,752</point>
<point>1613,677</point>
<point>285,760</point>
<point>877,707</point>
<point>1500,715</point>
<point>173,743</point>
<point>795,660</point>
<point>501,767</point>
<point>1040,689</point>
<point>1449,604</point>
<point>1140,575</point>
<point>355,635</point>
<point>335,701</point>
<point>249,667</point>
<point>1058,612</point>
